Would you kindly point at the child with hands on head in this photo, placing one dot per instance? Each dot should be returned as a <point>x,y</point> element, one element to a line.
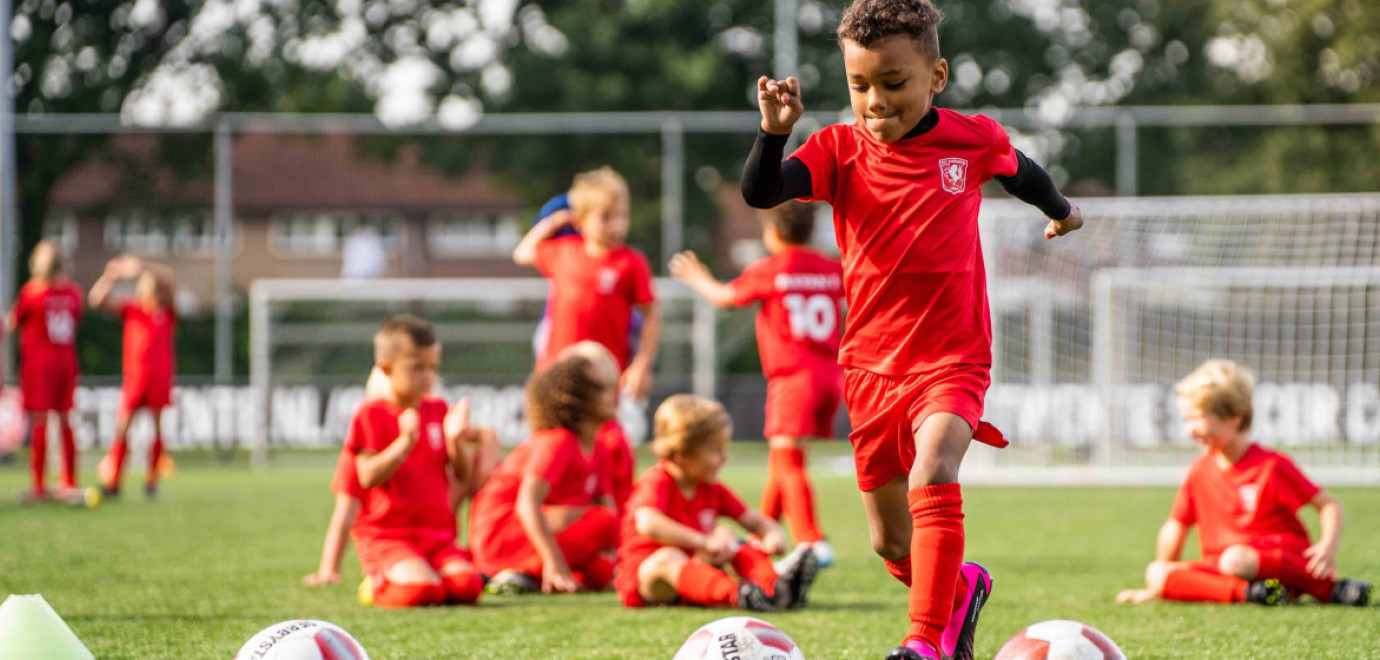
<point>672,548</point>
<point>545,520</point>
<point>404,454</point>
<point>1244,500</point>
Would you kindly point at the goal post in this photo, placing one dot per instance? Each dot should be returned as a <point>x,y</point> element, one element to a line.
<point>310,335</point>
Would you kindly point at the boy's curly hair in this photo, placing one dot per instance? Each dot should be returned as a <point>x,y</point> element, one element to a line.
<point>869,21</point>
<point>794,222</point>
<point>685,423</point>
<point>563,396</point>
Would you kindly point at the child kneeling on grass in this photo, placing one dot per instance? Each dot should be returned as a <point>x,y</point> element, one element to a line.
<point>1244,499</point>
<point>545,519</point>
<point>401,455</point>
<point>673,552</point>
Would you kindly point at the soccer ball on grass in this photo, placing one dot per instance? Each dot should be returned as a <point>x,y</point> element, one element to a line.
<point>739,638</point>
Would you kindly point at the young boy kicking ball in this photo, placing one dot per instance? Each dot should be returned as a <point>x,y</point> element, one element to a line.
<point>917,347</point>
<point>545,519</point>
<point>1244,499</point>
<point>798,326</point>
<point>672,550</point>
<point>400,455</point>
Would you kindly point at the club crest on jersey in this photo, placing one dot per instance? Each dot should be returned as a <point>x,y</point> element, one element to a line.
<point>707,518</point>
<point>953,173</point>
<point>1249,496</point>
<point>433,433</point>
<point>608,279</point>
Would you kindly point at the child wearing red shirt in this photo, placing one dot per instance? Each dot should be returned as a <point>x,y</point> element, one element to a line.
<point>149,358</point>
<point>544,521</point>
<point>46,315</point>
<point>798,326</point>
<point>619,464</point>
<point>916,350</point>
<point>400,457</point>
<point>597,280</point>
<point>1244,499</point>
<point>673,552</point>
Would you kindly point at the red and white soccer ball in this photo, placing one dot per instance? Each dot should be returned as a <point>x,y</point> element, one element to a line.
<point>1060,640</point>
<point>302,639</point>
<point>739,638</point>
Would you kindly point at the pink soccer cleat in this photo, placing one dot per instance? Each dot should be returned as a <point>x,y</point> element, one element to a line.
<point>957,642</point>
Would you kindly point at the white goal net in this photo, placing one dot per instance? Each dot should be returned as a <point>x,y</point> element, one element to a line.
<point>1092,331</point>
<point>311,349</point>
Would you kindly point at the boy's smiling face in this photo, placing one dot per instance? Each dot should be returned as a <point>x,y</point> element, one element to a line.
<point>891,84</point>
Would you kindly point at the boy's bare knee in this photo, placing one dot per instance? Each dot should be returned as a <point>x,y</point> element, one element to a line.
<point>891,547</point>
<point>1239,560</point>
<point>931,470</point>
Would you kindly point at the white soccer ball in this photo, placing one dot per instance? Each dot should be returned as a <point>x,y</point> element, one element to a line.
<point>1060,640</point>
<point>739,638</point>
<point>302,639</point>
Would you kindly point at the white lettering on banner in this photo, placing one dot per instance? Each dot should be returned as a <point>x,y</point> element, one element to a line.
<point>1363,413</point>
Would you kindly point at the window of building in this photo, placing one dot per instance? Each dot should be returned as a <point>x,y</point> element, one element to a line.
<point>61,226</point>
<point>323,233</point>
<point>472,234</point>
<point>159,232</point>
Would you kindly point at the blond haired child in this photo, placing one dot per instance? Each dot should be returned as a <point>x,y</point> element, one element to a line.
<point>1244,500</point>
<point>672,549</point>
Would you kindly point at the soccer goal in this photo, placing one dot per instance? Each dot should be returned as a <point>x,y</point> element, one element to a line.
<point>1092,331</point>
<point>311,349</point>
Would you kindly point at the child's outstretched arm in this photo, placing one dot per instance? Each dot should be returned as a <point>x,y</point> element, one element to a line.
<point>1322,556</point>
<point>772,540</point>
<point>767,180</point>
<point>1169,545</point>
<point>636,380</point>
<point>1032,185</point>
<point>119,268</point>
<point>688,268</point>
<point>525,254</point>
<point>555,572</point>
<point>337,535</point>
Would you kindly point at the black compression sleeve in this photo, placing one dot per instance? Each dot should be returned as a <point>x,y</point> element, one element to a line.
<point>767,180</point>
<point>1032,185</point>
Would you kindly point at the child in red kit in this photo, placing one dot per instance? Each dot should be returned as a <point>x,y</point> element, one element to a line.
<point>798,327</point>
<point>46,315</point>
<point>619,464</point>
<point>916,350</point>
<point>672,551</point>
<point>401,455</point>
<point>1244,499</point>
<point>597,280</point>
<point>544,521</point>
<point>150,362</point>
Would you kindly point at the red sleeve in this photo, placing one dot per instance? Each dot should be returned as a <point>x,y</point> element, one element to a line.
<point>21,307</point>
<point>1001,158</point>
<point>547,255</point>
<point>730,505</point>
<point>1183,504</point>
<point>1294,488</point>
<point>820,156</point>
<point>78,310</point>
<point>649,492</point>
<point>345,482</point>
<point>641,280</point>
<point>550,453</point>
<point>365,434</point>
<point>753,285</point>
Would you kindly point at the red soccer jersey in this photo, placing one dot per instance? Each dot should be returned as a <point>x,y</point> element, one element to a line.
<point>47,316</point>
<point>658,490</point>
<point>802,305</point>
<point>905,215</point>
<point>416,498</point>
<point>148,353</point>
<point>591,297</point>
<point>556,457</point>
<point>1255,499</point>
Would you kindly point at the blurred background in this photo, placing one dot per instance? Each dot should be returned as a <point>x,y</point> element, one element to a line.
<point>309,167</point>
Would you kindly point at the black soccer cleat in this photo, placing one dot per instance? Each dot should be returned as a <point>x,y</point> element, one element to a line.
<point>513,583</point>
<point>1355,593</point>
<point>793,586</point>
<point>1269,592</point>
<point>751,597</point>
<point>910,652</point>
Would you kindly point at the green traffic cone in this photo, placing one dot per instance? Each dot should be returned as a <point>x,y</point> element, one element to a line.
<point>31,630</point>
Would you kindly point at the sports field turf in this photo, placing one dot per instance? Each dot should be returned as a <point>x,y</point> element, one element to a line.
<point>220,556</point>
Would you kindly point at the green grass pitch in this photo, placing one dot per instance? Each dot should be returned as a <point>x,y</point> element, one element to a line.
<point>220,555</point>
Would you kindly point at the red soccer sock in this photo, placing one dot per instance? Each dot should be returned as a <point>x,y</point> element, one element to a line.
<point>771,492</point>
<point>899,569</point>
<point>592,533</point>
<point>118,449</point>
<point>706,586</point>
<point>936,545</point>
<point>155,453</point>
<point>1198,585</point>
<point>462,587</point>
<point>38,454</point>
<point>596,574</point>
<point>756,567</point>
<point>1292,571</point>
<point>797,497</point>
<point>389,595</point>
<point>69,456</point>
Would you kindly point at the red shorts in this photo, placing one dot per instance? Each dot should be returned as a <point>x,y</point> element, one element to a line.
<point>156,394</point>
<point>437,550</point>
<point>802,404</point>
<point>886,412</point>
<point>47,384</point>
<point>625,582</point>
<point>1286,542</point>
